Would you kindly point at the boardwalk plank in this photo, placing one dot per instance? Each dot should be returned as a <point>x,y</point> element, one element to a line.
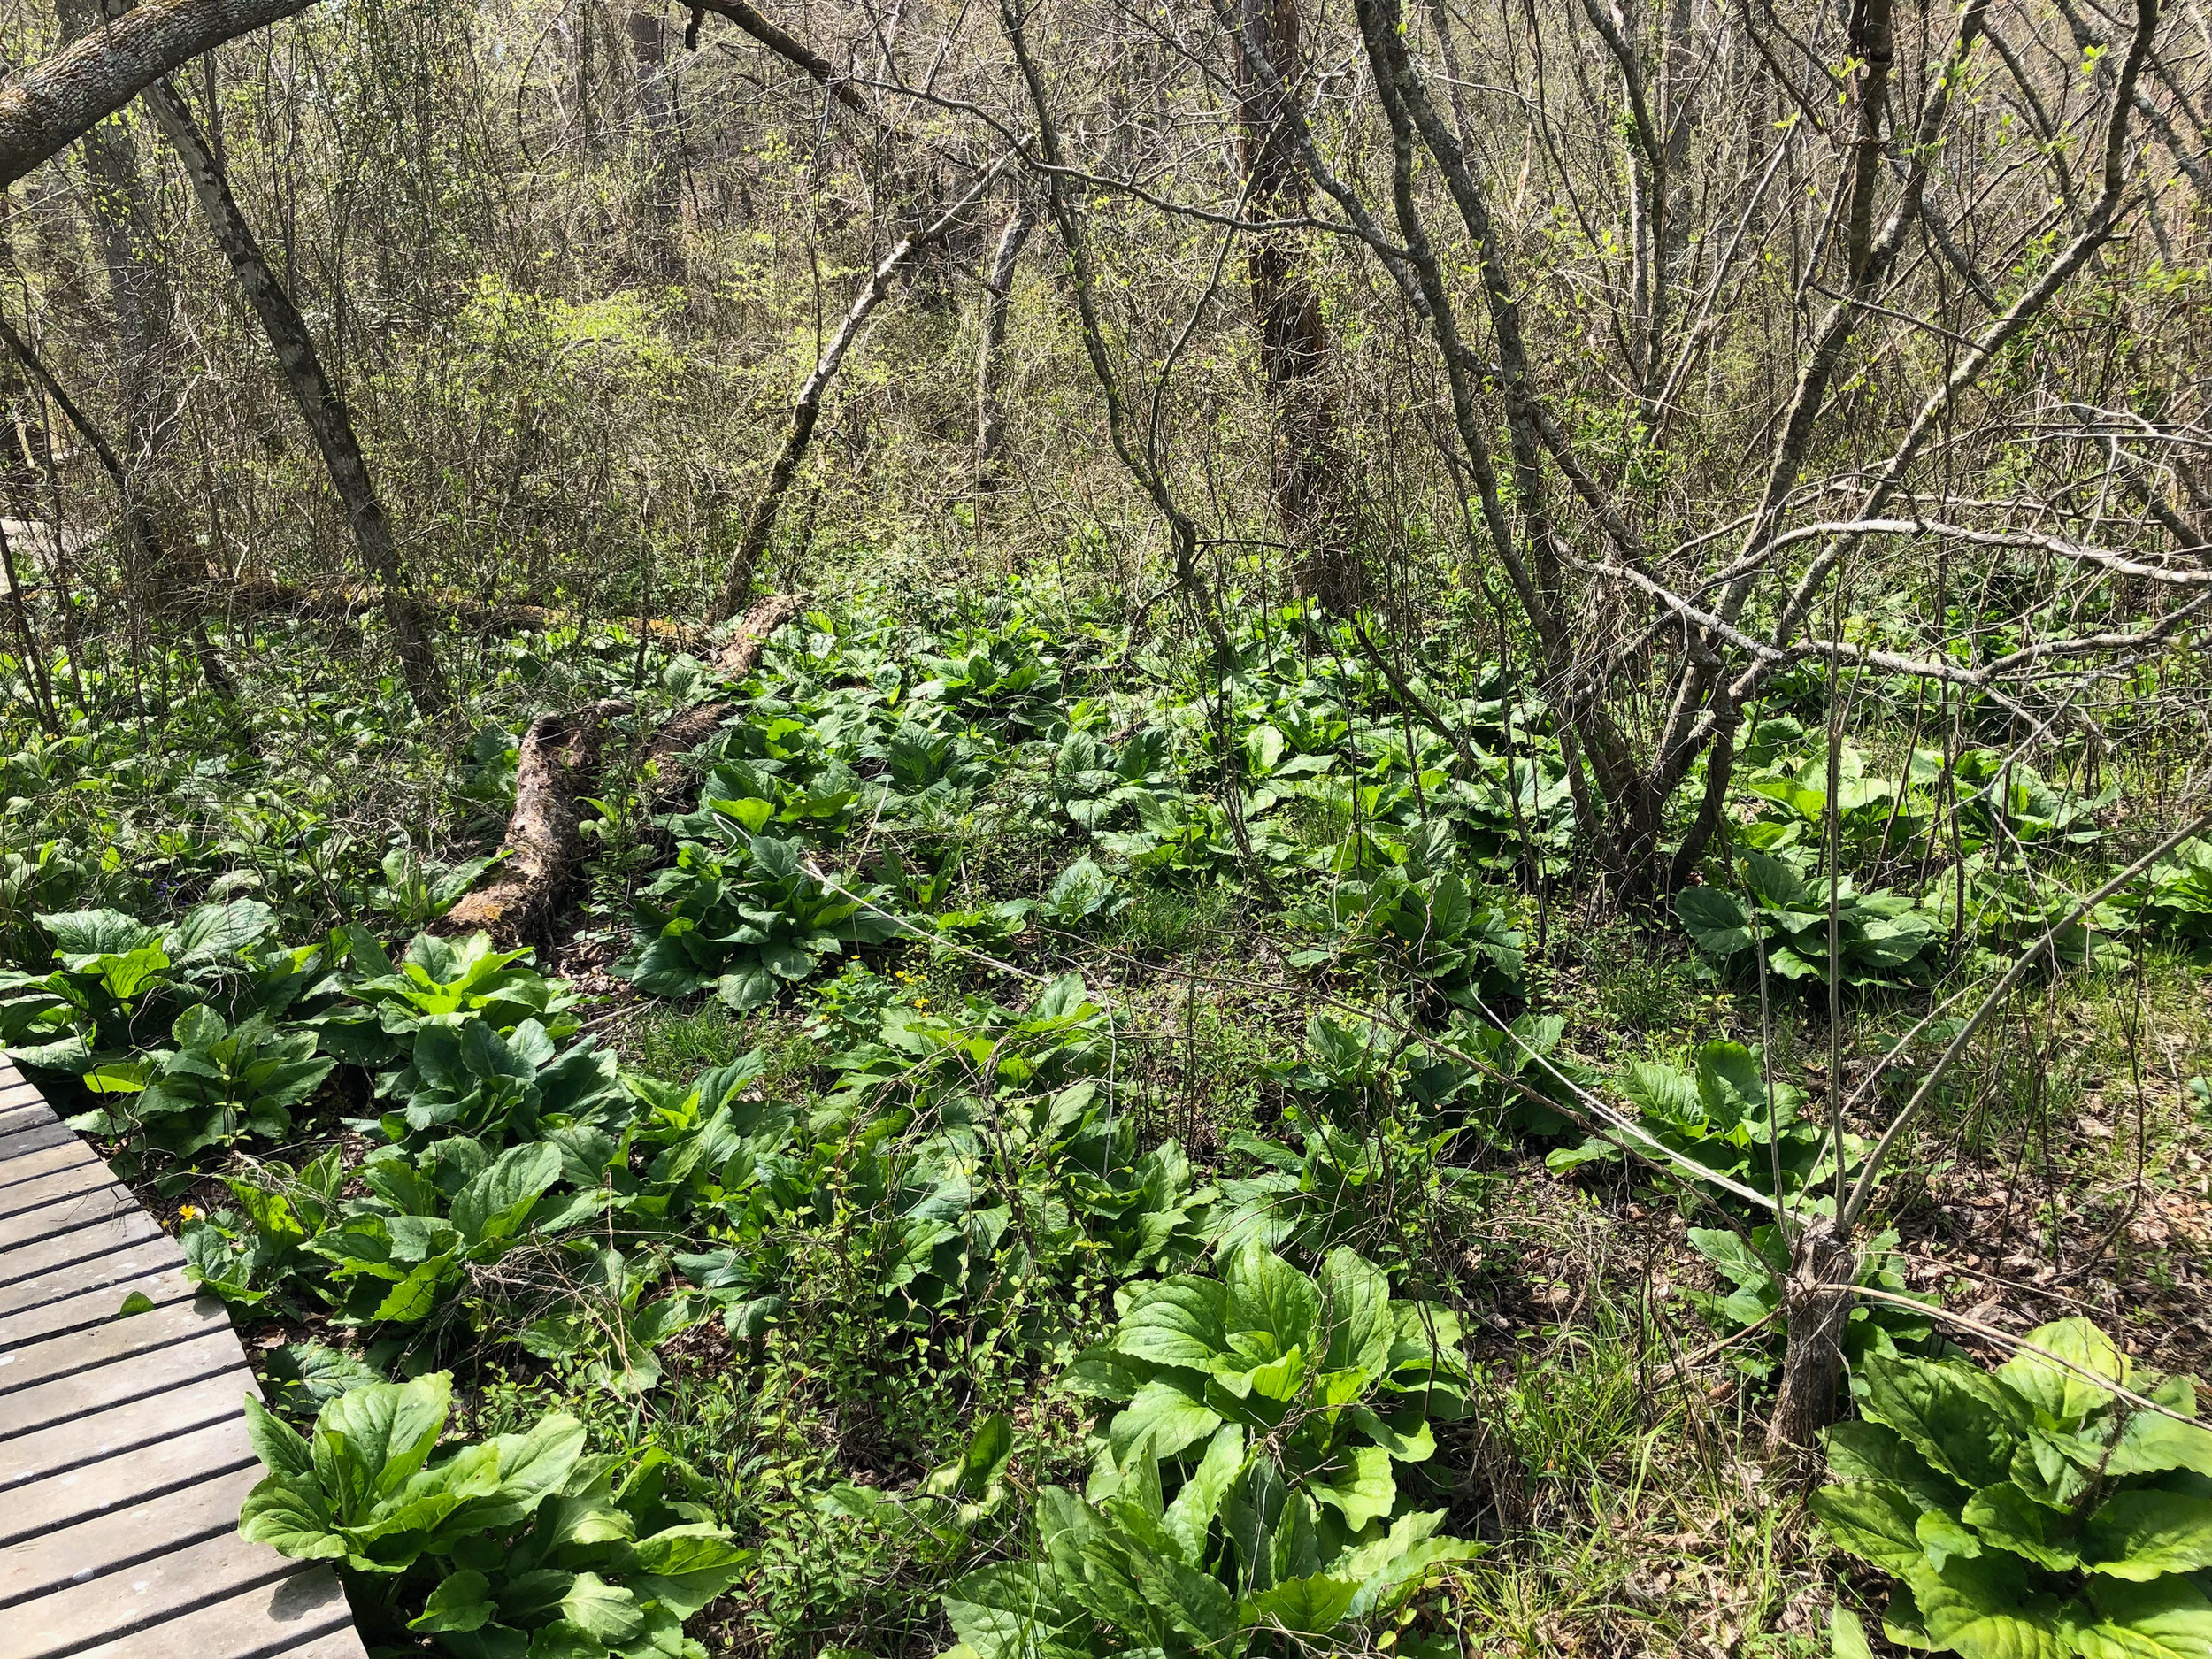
<point>124,1455</point>
<point>22,1269</point>
<point>34,1136</point>
<point>50,1221</point>
<point>152,1591</point>
<point>120,1339</point>
<point>94,1306</point>
<point>30,1165</point>
<point>168,1465</point>
<point>277,1621</point>
<point>339,1644</point>
<point>124,1428</point>
<point>122,1538</point>
<point>72,1180</point>
<point>120,1381</point>
<point>116,1267</point>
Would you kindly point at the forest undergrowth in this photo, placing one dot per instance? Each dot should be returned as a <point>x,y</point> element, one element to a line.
<point>1034,1139</point>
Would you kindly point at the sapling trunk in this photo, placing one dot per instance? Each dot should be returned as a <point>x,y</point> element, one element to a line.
<point>1815,1307</point>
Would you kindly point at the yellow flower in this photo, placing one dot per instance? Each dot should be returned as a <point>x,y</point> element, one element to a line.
<point>190,1212</point>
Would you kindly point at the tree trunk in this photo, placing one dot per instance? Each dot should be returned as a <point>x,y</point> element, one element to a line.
<point>62,99</point>
<point>1815,1305</point>
<point>149,550</point>
<point>143,303</point>
<point>659,140</point>
<point>319,401</point>
<point>806,409</point>
<point>559,755</point>
<point>990,408</point>
<point>1308,484</point>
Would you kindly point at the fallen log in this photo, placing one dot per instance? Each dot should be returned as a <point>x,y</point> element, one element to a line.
<point>558,756</point>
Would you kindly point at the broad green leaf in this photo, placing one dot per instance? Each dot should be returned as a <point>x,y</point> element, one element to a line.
<point>367,1442</point>
<point>2167,1619</point>
<point>281,1448</point>
<point>1162,1417</point>
<point>1864,1450</point>
<point>1959,1418</point>
<point>564,1640</point>
<point>2010,1519</point>
<point>1303,1606</point>
<point>287,1513</point>
<point>495,1202</point>
<point>540,1460</point>
<point>1360,1485</point>
<point>1846,1636</point>
<point>1177,1322</point>
<point>1980,1608</point>
<point>462,1601</point>
<point>2139,1535</point>
<point>606,1612</point>
<point>1193,1510</point>
<point>1416,1446</point>
<point>2059,1393</point>
<point>1943,1538</point>
<point>1267,1293</point>
<point>1873,1519</point>
<point>1355,1297</point>
<point>2153,1441</point>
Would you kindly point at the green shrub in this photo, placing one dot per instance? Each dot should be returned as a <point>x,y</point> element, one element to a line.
<point>1881,938</point>
<point>1254,1495</point>
<point>516,1546</point>
<point>2031,1512</point>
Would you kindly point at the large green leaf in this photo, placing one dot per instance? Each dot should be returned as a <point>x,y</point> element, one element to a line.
<point>1187,1518</point>
<point>1303,1606</point>
<point>1163,1416</point>
<point>1360,1485</point>
<point>2057,1390</point>
<point>1979,1606</point>
<point>606,1612</point>
<point>462,1601</point>
<point>1714,919</point>
<point>2153,1440</point>
<point>2141,1533</point>
<point>539,1460</point>
<point>1846,1636</point>
<point>495,1201</point>
<point>1875,1519</point>
<point>369,1441</point>
<point>2011,1519</point>
<point>1355,1296</point>
<point>287,1513</point>
<point>1176,1322</point>
<point>1267,1293</point>
<point>2167,1619</point>
<point>281,1448</point>
<point>1962,1420</point>
<point>686,1567</point>
<point>1863,1450</point>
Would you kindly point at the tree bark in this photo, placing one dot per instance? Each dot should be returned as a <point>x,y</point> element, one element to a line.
<point>990,408</point>
<point>319,401</point>
<point>806,409</point>
<point>793,51</point>
<point>62,99</point>
<point>1815,1307</point>
<point>559,755</point>
<point>659,140</point>
<point>145,535</point>
<point>1308,480</point>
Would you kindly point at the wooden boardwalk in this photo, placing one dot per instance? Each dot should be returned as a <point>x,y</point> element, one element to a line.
<point>123,1449</point>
